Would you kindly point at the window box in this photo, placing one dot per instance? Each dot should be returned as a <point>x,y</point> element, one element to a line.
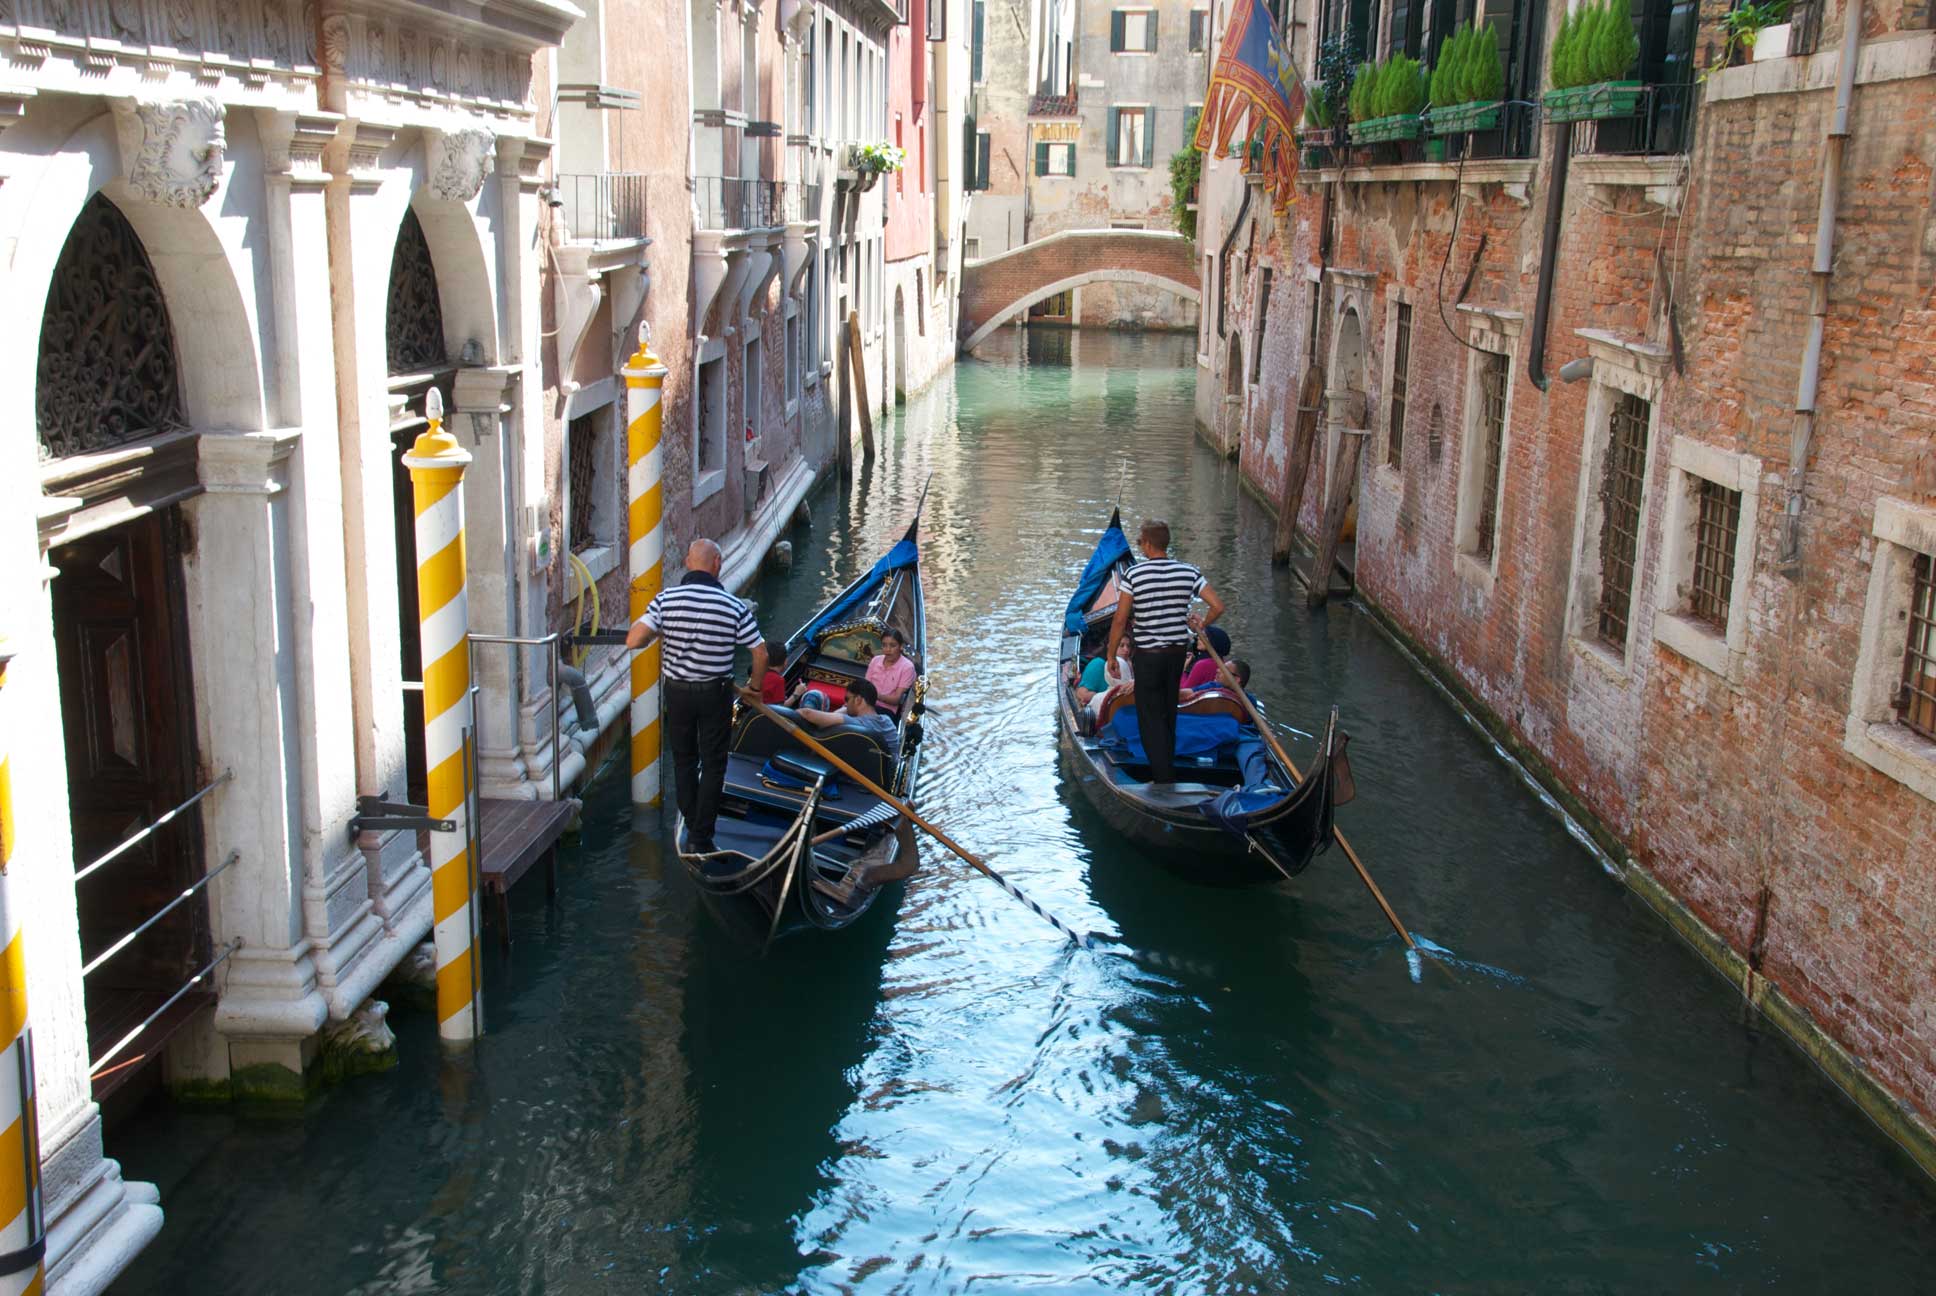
<point>1317,143</point>
<point>1599,102</point>
<point>1380,130</point>
<point>1461,119</point>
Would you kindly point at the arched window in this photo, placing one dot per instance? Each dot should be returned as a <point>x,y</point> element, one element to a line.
<point>415,325</point>
<point>108,372</point>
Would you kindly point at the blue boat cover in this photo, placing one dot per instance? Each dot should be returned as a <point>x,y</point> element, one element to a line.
<point>772,773</point>
<point>1113,545</point>
<point>1195,735</point>
<point>905,553</point>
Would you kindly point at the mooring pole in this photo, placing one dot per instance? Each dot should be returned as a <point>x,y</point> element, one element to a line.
<point>23,1232</point>
<point>436,463</point>
<point>645,379</point>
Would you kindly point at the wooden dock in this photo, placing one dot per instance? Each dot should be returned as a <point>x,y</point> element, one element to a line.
<point>513,836</point>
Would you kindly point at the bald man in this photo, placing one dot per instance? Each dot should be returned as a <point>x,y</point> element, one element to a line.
<point>701,624</point>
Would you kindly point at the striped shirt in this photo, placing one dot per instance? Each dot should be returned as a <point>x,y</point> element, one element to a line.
<point>1161,591</point>
<point>700,624</point>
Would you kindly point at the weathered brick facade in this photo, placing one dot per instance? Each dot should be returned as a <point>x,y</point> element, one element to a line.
<point>1724,760</point>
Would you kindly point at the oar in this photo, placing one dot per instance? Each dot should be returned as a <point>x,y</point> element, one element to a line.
<point>753,699</point>
<point>1243,698</point>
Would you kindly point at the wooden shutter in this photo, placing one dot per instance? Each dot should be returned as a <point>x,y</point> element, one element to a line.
<point>1041,159</point>
<point>980,38</point>
<point>983,143</point>
<point>1115,129</point>
<point>1149,30</point>
<point>1116,31</point>
<point>1149,136</point>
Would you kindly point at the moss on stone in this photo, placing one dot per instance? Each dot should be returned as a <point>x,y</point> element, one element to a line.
<point>266,1082</point>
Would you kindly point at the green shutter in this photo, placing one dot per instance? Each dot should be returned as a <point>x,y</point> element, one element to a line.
<point>983,144</point>
<point>1109,151</point>
<point>1149,136</point>
<point>1151,28</point>
<point>1041,159</point>
<point>1072,158</point>
<point>979,39</point>
<point>1116,31</point>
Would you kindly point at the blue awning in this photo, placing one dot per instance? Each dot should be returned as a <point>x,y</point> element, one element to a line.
<point>1109,550</point>
<point>905,553</point>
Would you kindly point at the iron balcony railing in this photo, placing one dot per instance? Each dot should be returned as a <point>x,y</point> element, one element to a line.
<point>601,206</point>
<point>1663,124</point>
<point>736,202</point>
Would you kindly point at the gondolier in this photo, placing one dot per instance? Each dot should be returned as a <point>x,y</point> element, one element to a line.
<point>700,624</point>
<point>1153,609</point>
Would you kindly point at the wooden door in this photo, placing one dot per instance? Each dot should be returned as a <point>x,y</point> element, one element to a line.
<point>127,719</point>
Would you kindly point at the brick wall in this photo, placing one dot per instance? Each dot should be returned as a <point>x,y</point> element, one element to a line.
<point>992,287</point>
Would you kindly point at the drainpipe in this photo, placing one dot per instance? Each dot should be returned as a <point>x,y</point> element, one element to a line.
<point>1790,560</point>
<point>1549,251</point>
<point>1223,274</point>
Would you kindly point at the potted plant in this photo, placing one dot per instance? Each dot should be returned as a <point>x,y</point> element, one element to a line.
<point>1385,101</point>
<point>1467,82</point>
<point>1743,27</point>
<point>1594,49</point>
<point>871,161</point>
<point>1319,132</point>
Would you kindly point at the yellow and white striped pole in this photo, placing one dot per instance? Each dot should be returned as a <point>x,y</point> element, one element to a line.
<point>644,416</point>
<point>23,1235</point>
<point>436,463</point>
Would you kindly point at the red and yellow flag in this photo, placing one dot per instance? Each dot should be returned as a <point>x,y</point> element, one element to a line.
<point>1255,86</point>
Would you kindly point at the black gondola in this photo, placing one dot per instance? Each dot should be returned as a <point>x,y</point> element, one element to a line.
<point>800,845</point>
<point>1242,817</point>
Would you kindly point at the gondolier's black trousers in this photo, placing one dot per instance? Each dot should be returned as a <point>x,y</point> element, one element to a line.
<point>1158,675</point>
<point>698,727</point>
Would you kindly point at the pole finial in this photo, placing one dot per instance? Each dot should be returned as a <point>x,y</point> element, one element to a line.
<point>434,447</point>
<point>643,358</point>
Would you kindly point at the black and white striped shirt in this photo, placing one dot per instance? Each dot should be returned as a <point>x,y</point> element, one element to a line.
<point>1161,591</point>
<point>700,624</point>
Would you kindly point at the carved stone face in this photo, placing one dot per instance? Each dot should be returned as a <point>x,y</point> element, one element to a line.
<point>172,149</point>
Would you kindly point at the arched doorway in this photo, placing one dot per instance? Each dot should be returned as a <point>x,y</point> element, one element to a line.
<point>418,360</point>
<point>108,377</point>
<point>901,384</point>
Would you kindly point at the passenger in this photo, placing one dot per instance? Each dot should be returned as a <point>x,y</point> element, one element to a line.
<point>891,673</point>
<point>1098,677</point>
<point>1203,669</point>
<point>1235,675</point>
<point>860,712</point>
<point>1153,614</point>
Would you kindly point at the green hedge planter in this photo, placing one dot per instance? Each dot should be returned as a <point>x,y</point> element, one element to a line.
<point>1380,130</point>
<point>1458,119</point>
<point>1598,102</point>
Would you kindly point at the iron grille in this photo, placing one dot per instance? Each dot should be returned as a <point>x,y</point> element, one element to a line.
<point>1621,488</point>
<point>1435,433</point>
<point>1401,367</point>
<point>415,326</point>
<point>583,484</point>
<point>1714,536</point>
<point>1917,703</point>
<point>107,370</point>
<point>1492,426</point>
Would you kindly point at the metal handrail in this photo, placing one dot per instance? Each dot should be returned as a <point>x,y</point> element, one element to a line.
<point>161,913</point>
<point>548,641</point>
<point>172,1000</point>
<point>149,831</point>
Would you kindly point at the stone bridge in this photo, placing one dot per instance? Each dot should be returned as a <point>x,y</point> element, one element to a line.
<point>997,289</point>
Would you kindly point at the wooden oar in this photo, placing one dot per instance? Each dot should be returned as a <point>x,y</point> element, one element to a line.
<point>752,699</point>
<point>1243,696</point>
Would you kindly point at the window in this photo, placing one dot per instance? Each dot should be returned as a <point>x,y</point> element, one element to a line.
<point>1717,527</point>
<point>1057,307</point>
<point>709,441</point>
<point>1199,30</point>
<point>978,41</point>
<point>937,20</point>
<point>900,146</point>
<point>1132,31</point>
<point>971,249</point>
<point>1622,490</point>
<point>1707,551</point>
<point>1484,455</point>
<point>1916,705</point>
<point>1401,373</point>
<point>792,357</point>
<point>1055,159</point>
<point>590,477</point>
<point>1263,316</point>
<point>1892,706</point>
<point>1130,131</point>
<point>749,397</point>
<point>984,147</point>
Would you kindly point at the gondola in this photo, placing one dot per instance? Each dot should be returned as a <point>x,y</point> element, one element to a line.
<point>1241,817</point>
<point>799,845</point>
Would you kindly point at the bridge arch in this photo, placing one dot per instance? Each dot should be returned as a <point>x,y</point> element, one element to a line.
<point>996,289</point>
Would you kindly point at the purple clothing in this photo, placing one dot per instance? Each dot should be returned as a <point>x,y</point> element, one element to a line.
<point>1201,675</point>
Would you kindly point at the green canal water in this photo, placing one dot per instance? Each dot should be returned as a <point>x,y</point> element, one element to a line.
<point>1258,1098</point>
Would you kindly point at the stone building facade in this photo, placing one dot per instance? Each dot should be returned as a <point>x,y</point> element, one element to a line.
<point>1082,119</point>
<point>1605,488</point>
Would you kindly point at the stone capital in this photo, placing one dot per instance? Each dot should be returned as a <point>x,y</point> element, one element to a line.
<point>171,149</point>
<point>245,463</point>
<point>522,159</point>
<point>294,142</point>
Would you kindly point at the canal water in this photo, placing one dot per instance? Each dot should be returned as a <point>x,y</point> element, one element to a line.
<point>1250,1093</point>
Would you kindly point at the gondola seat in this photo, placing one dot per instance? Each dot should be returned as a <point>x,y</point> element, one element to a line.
<point>758,736</point>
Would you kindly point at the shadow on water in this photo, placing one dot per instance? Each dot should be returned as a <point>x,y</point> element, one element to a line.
<point>1247,1094</point>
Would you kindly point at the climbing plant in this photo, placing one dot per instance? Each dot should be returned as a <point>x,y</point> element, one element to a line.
<point>1186,170</point>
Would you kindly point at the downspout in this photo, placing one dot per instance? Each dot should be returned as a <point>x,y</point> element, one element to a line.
<point>1790,560</point>
<point>1549,250</point>
<point>1223,273</point>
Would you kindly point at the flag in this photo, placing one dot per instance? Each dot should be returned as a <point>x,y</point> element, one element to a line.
<point>1255,85</point>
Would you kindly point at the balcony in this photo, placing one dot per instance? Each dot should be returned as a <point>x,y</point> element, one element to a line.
<point>602,208</point>
<point>801,202</point>
<point>737,202</point>
<point>1052,105</point>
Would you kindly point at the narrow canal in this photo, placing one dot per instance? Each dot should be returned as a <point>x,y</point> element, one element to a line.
<point>946,1098</point>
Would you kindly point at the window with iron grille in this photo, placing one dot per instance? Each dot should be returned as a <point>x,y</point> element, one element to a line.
<point>1622,487</point>
<point>1401,369</point>
<point>581,452</point>
<point>1916,704</point>
<point>1717,524</point>
<point>1263,317</point>
<point>1492,429</point>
